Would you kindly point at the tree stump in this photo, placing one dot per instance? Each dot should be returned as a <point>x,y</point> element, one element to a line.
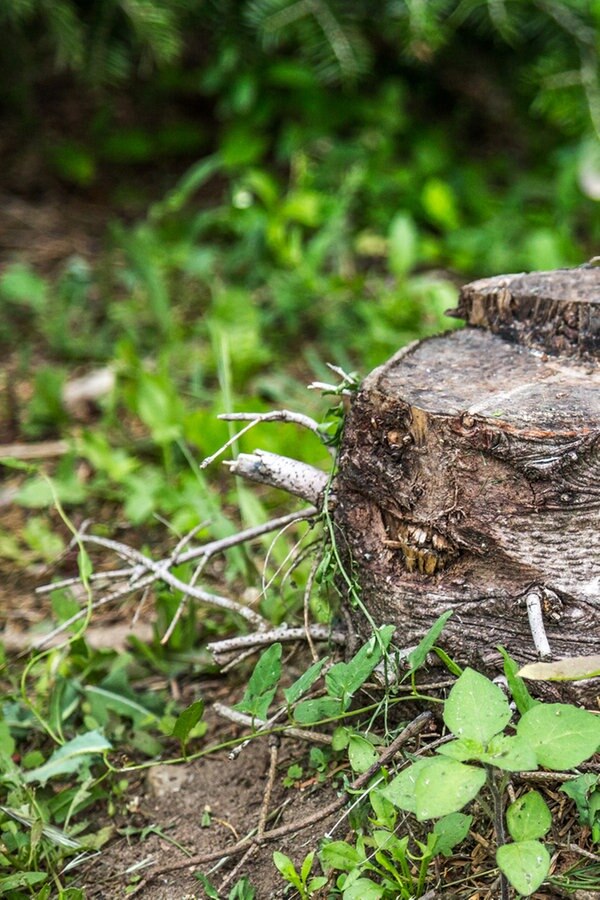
<point>469,478</point>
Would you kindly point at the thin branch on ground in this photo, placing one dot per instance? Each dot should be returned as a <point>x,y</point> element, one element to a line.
<point>283,633</point>
<point>265,726</point>
<point>140,566</point>
<point>264,809</point>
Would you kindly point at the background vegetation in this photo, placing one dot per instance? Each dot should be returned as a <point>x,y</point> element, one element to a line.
<point>271,185</point>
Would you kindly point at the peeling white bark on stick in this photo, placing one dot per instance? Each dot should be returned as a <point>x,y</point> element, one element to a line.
<point>277,471</point>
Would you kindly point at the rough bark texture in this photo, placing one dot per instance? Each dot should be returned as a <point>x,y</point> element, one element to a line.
<point>470,475</point>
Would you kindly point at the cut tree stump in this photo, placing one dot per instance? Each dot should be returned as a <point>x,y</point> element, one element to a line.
<point>469,478</point>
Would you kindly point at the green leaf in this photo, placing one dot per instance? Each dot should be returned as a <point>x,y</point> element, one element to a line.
<point>363,889</point>
<point>476,708</point>
<point>68,758</point>
<point>340,856</point>
<point>187,720</point>
<point>20,284</point>
<point>102,699</point>
<point>262,685</point>
<point>287,869</point>
<point>562,736</point>
<point>462,749</point>
<point>574,668</point>
<point>344,679</point>
<point>10,883</point>
<point>450,830</point>
<point>525,864</point>
<point>307,866</point>
<point>401,789</point>
<point>305,682</point>
<point>7,743</point>
<point>307,712</point>
<point>528,818</point>
<point>361,753</point>
<point>445,787</point>
<point>417,657</point>
<point>581,790</point>
<point>511,753</point>
<point>516,685</point>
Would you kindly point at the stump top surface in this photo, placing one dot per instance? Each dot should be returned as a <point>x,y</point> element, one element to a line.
<point>476,372</point>
<point>557,311</point>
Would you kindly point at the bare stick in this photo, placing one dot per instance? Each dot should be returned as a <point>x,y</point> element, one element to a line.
<point>412,730</point>
<point>260,725</point>
<point>279,415</point>
<point>43,450</point>
<point>248,534</point>
<point>162,573</point>
<point>283,633</point>
<point>264,810</point>
<point>533,601</point>
<point>277,471</point>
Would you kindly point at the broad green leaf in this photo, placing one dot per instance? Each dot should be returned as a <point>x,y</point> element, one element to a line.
<point>10,883</point>
<point>102,699</point>
<point>285,865</point>
<point>528,818</point>
<point>417,657</point>
<point>401,789</point>
<point>462,749</point>
<point>361,753</point>
<point>262,685</point>
<point>445,787</point>
<point>511,753</point>
<point>307,712</point>
<point>340,856</point>
<point>340,738</point>
<point>476,708</point>
<point>68,758</point>
<point>305,682</point>
<point>344,679</point>
<point>187,720</point>
<point>574,668</point>
<point>562,736</point>
<point>516,685</point>
<point>525,864</point>
<point>363,889</point>
<point>385,812</point>
<point>450,830</point>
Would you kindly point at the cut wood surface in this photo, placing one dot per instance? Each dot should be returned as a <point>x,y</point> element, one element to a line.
<point>469,476</point>
<point>557,311</point>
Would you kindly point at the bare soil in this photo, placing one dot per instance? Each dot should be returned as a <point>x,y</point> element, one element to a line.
<point>174,800</point>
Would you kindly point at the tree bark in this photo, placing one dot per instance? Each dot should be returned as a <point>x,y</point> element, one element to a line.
<point>469,477</point>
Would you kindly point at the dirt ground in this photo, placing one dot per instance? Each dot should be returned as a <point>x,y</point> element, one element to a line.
<point>175,799</point>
